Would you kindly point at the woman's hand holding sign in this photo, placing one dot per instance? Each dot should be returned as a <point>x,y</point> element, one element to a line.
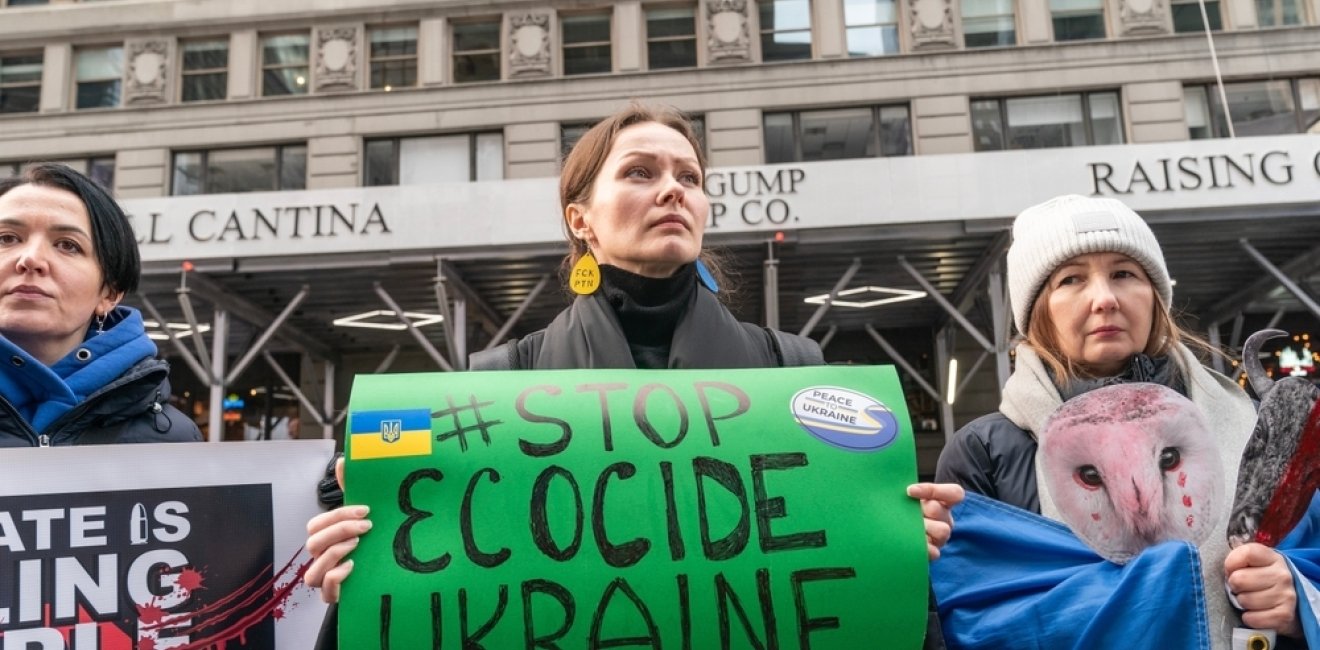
<point>331,536</point>
<point>937,499</point>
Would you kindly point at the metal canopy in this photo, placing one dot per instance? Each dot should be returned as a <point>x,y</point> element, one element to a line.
<point>1203,253</point>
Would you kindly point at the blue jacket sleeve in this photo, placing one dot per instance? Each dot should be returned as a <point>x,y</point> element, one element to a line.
<point>1302,548</point>
<point>1009,578</point>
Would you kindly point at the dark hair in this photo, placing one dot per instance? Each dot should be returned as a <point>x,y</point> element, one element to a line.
<point>112,235</point>
<point>583,164</point>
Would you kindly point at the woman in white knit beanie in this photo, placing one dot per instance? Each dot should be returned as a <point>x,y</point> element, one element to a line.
<point>1091,295</point>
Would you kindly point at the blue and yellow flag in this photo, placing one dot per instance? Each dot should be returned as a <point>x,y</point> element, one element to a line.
<point>389,434</point>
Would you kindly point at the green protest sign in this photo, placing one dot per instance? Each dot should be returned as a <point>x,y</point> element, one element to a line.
<point>609,508</point>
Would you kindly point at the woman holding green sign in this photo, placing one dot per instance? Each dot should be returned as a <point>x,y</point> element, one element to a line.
<point>1090,292</point>
<point>635,211</point>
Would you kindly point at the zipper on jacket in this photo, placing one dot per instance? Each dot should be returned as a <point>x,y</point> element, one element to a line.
<point>24,428</point>
<point>134,374</point>
<point>78,411</point>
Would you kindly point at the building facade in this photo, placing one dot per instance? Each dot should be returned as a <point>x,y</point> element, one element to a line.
<point>274,146</point>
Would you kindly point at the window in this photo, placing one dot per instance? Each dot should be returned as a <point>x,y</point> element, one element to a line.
<point>205,70</point>
<point>571,132</point>
<point>1274,107</point>
<point>393,57</point>
<point>20,83</point>
<point>835,134</point>
<point>1187,15</point>
<point>477,51</point>
<point>99,74</point>
<point>671,38</point>
<point>586,43</point>
<point>102,171</point>
<point>255,169</point>
<point>99,169</point>
<point>785,29</point>
<point>872,27</point>
<point>436,159</point>
<point>987,23</point>
<point>284,68</point>
<point>1076,20</point>
<point>1044,122</point>
<point>1278,13</point>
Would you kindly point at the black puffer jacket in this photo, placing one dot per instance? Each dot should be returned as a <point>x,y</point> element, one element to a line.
<point>993,457</point>
<point>132,408</point>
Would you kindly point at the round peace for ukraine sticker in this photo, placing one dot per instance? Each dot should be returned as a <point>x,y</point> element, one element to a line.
<point>845,418</point>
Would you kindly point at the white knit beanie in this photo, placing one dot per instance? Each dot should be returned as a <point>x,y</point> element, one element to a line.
<point>1046,235</point>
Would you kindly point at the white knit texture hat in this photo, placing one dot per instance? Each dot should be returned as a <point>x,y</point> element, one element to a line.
<point>1049,234</point>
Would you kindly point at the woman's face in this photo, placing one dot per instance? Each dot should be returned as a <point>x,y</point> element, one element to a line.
<point>647,210</point>
<point>1102,306</point>
<point>50,279</point>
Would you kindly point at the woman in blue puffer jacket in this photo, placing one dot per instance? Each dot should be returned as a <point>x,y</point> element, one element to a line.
<point>76,367</point>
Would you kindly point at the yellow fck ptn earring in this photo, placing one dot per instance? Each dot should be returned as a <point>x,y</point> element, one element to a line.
<point>584,279</point>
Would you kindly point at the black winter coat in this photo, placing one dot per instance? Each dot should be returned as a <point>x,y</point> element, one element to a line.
<point>995,458</point>
<point>132,408</point>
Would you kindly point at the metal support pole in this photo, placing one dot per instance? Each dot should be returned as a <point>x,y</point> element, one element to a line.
<point>945,304</point>
<point>185,304</point>
<point>999,316</point>
<point>770,275</point>
<point>834,293</point>
<point>179,347</point>
<point>297,392</point>
<point>829,336</point>
<point>412,329</point>
<point>943,351</point>
<point>1219,76</point>
<point>460,333</point>
<point>971,372</point>
<point>327,426</point>
<point>387,361</point>
<point>517,313</point>
<point>1283,279</point>
<point>1274,320</point>
<point>1216,361</point>
<point>902,363</point>
<point>447,317</point>
<point>1238,321</point>
<point>265,337</point>
<point>219,340</point>
<point>268,417</point>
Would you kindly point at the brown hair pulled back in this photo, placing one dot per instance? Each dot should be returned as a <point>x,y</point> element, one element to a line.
<point>583,164</point>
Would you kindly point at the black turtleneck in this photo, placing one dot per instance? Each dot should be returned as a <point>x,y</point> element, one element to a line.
<point>648,309</point>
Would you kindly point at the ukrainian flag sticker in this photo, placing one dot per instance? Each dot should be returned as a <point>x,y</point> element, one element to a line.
<point>389,434</point>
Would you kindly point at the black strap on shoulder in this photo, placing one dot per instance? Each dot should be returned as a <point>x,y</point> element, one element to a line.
<point>796,350</point>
